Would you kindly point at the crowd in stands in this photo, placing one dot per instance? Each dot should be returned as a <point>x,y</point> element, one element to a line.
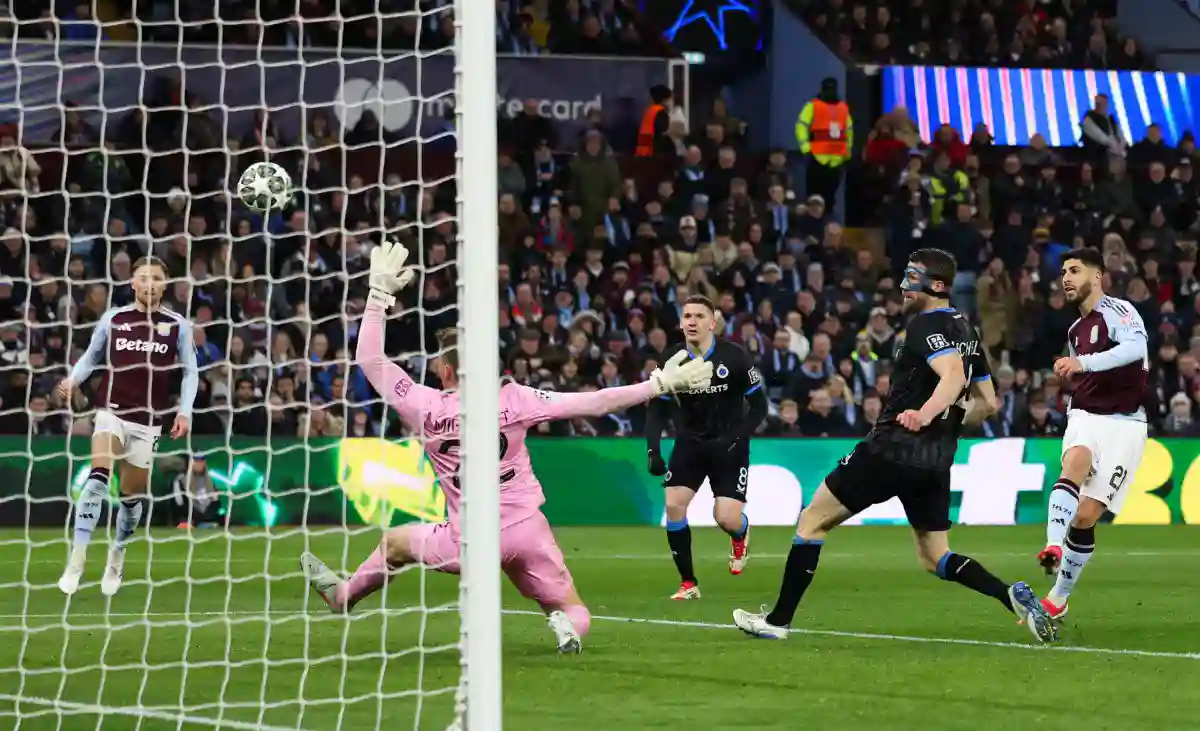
<point>1041,34</point>
<point>597,256</point>
<point>523,27</point>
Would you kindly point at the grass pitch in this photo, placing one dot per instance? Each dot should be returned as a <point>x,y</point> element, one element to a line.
<point>218,631</point>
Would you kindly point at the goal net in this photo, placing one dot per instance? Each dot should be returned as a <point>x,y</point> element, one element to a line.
<point>122,137</point>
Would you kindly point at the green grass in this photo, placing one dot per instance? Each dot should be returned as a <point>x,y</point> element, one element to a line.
<point>883,646</point>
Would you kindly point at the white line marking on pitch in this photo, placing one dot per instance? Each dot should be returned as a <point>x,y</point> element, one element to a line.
<point>288,557</point>
<point>899,638</point>
<point>245,616</point>
<point>71,708</point>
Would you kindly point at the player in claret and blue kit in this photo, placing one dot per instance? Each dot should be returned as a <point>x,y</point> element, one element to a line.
<point>941,378</point>
<point>529,554</point>
<point>145,345</point>
<point>1109,367</point>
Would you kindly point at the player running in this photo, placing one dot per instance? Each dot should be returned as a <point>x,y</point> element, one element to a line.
<point>908,455</point>
<point>1106,421</point>
<point>528,552</point>
<point>715,426</point>
<point>144,343</point>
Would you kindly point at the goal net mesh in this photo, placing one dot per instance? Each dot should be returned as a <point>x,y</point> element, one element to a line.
<point>121,138</point>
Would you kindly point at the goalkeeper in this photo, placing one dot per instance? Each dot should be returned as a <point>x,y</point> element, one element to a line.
<point>529,554</point>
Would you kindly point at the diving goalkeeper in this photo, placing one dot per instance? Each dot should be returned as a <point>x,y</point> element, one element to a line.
<point>529,554</point>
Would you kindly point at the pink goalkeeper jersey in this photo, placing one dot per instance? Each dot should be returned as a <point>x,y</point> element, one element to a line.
<point>434,415</point>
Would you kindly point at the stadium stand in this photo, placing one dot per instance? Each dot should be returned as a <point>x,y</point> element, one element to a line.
<point>1056,34</point>
<point>600,249</point>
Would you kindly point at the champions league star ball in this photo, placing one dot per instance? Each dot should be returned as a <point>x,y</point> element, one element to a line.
<point>265,187</point>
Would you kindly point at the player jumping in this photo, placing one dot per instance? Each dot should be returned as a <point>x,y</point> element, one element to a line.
<point>529,554</point>
<point>714,442</point>
<point>144,343</point>
<point>908,455</point>
<point>1106,421</point>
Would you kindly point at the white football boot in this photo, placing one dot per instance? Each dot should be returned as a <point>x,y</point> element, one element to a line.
<point>756,625</point>
<point>114,573</point>
<point>68,583</point>
<point>323,581</point>
<point>564,632</point>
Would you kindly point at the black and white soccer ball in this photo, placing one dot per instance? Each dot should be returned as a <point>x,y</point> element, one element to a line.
<point>265,187</point>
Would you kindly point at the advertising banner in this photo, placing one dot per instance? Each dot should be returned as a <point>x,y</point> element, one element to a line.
<point>411,94</point>
<point>1015,104</point>
<point>370,481</point>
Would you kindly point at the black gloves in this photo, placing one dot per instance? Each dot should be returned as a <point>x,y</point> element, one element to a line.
<point>657,466</point>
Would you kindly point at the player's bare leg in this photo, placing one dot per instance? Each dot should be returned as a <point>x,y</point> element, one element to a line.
<point>1078,547</point>
<point>730,515</point>
<point>823,514</point>
<point>679,538</point>
<point>89,506</point>
<point>935,556</point>
<point>1064,499</point>
<point>134,484</point>
<point>394,552</point>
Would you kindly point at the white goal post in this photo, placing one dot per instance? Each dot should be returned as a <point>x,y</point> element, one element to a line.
<point>215,625</point>
<point>478,300</point>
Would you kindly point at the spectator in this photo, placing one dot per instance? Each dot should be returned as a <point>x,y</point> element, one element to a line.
<point>825,133</point>
<point>511,177</point>
<point>868,415</point>
<point>821,419</point>
<point>652,140</point>
<point>1011,405</point>
<point>1038,420</point>
<point>1100,133</point>
<point>787,422</point>
<point>1180,421</point>
<point>595,179</point>
<point>19,170</point>
<point>249,416</point>
<point>196,499</point>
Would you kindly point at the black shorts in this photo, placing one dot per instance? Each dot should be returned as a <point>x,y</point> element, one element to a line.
<point>864,478</point>
<point>727,470</point>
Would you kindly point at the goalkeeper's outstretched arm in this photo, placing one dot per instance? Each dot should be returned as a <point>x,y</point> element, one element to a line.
<point>409,398</point>
<point>676,375</point>
<point>390,275</point>
<point>558,406</point>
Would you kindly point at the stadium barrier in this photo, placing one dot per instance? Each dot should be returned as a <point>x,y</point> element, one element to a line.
<point>290,481</point>
<point>1015,103</point>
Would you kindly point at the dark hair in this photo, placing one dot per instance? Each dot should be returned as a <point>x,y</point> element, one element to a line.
<point>699,299</point>
<point>939,264</point>
<point>151,261</point>
<point>1087,256</point>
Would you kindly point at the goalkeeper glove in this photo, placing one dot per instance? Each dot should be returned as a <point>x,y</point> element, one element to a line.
<point>678,376</point>
<point>657,466</point>
<point>388,273</point>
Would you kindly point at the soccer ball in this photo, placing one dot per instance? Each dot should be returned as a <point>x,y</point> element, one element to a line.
<point>265,187</point>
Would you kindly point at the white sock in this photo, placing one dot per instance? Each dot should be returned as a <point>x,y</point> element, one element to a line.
<point>89,506</point>
<point>1064,498</point>
<point>1077,549</point>
<point>129,516</point>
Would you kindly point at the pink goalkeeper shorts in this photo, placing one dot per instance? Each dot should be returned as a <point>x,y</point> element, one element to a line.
<point>529,556</point>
